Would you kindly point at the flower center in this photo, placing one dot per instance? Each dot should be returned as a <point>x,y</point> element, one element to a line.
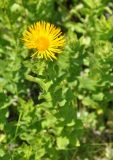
<point>42,43</point>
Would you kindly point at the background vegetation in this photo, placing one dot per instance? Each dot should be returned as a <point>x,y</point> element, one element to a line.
<point>60,110</point>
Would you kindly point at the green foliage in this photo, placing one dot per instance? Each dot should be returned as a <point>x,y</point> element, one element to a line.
<point>61,109</point>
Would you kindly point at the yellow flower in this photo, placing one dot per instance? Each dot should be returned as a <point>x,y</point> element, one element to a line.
<point>45,38</point>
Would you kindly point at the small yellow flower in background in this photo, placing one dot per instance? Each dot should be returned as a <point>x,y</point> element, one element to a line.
<point>45,38</point>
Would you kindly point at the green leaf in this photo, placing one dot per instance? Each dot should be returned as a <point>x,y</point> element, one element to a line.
<point>62,142</point>
<point>2,152</point>
<point>87,83</point>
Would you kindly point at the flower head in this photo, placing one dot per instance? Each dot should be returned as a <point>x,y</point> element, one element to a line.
<point>45,38</point>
